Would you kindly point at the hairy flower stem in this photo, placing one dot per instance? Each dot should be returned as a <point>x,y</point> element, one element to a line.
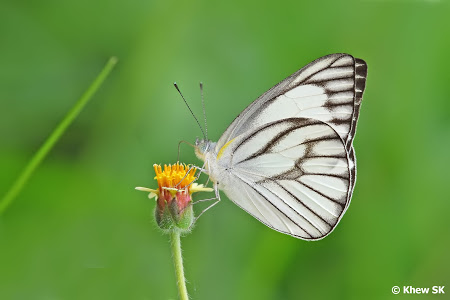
<point>178,262</point>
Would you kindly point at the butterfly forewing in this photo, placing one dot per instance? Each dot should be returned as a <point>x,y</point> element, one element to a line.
<point>328,89</point>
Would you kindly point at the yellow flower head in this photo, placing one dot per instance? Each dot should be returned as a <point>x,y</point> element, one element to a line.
<point>176,176</point>
<point>173,195</point>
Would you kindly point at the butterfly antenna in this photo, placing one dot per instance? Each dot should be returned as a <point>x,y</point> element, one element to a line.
<point>176,86</point>
<point>204,111</point>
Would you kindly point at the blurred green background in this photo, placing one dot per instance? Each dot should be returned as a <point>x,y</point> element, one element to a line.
<point>79,230</point>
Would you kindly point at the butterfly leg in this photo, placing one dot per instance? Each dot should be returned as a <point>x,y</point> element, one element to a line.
<point>216,190</point>
<point>202,169</point>
<point>187,173</point>
<point>196,177</point>
<point>204,200</point>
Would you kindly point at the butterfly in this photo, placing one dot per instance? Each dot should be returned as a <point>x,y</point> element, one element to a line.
<point>288,158</point>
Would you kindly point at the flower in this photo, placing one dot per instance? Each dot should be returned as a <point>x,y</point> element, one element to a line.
<point>173,196</point>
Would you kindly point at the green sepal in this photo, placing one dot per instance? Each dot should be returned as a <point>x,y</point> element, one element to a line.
<point>170,218</point>
<point>164,218</point>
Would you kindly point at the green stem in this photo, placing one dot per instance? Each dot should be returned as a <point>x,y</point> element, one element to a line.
<point>178,261</point>
<point>54,136</point>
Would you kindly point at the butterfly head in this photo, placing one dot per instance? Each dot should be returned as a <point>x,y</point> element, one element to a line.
<point>202,146</point>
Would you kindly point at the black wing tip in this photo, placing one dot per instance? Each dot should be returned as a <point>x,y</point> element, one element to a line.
<point>360,78</point>
<point>360,67</point>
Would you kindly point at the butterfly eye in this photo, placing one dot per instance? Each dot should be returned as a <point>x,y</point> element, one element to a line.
<point>197,141</point>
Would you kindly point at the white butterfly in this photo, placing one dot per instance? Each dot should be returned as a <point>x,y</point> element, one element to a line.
<point>288,158</point>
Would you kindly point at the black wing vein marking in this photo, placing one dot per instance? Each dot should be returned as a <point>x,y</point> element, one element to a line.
<point>273,142</point>
<point>321,194</point>
<point>304,205</point>
<point>320,70</point>
<point>270,202</point>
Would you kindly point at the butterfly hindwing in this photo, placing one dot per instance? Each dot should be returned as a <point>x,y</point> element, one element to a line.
<point>291,174</point>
